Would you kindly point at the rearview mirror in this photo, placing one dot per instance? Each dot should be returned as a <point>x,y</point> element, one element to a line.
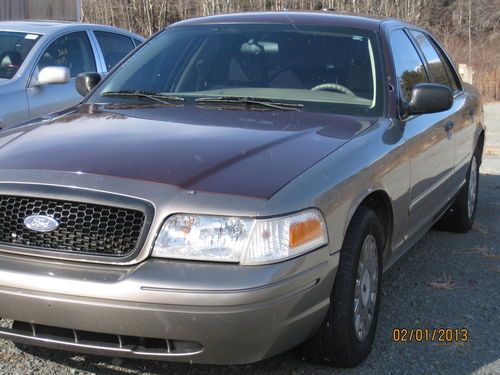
<point>429,98</point>
<point>52,75</point>
<point>85,82</point>
<point>256,48</point>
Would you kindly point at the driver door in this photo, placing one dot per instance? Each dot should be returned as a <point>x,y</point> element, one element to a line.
<point>429,138</point>
<point>72,51</point>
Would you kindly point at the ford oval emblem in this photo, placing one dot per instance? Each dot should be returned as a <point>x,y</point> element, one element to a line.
<point>41,223</point>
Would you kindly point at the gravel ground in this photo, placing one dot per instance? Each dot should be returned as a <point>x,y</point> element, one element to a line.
<point>446,280</point>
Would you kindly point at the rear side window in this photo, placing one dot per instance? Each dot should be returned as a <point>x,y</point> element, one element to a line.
<point>436,66</point>
<point>114,47</point>
<point>137,42</point>
<point>409,68</point>
<point>72,51</point>
<point>448,65</point>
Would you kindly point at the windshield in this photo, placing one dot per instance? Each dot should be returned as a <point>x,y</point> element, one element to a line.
<point>321,68</point>
<point>14,47</point>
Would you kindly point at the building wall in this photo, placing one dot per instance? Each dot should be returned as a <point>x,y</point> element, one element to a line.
<point>63,10</point>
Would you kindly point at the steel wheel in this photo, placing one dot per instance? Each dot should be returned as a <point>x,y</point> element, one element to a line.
<point>472,193</point>
<point>346,335</point>
<point>365,292</point>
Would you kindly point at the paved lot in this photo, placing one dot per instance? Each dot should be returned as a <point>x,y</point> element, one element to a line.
<point>446,280</point>
<point>492,146</point>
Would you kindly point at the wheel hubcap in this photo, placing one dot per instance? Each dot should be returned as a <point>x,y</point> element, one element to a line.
<point>471,201</point>
<point>365,292</point>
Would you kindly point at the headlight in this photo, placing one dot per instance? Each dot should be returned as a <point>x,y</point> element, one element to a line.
<point>213,238</point>
<point>240,240</point>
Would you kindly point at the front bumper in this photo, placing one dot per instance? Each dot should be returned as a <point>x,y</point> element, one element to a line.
<point>205,313</point>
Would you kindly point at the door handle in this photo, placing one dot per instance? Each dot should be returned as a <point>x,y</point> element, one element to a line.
<point>448,126</point>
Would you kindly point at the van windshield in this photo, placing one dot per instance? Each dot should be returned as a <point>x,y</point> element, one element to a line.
<point>14,47</point>
<point>319,68</point>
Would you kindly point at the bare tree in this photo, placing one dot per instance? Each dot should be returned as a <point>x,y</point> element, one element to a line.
<point>469,29</point>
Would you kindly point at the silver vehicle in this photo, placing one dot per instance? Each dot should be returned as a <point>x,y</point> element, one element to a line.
<point>236,188</point>
<point>39,61</point>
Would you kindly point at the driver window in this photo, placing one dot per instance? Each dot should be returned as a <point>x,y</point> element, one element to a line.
<point>72,51</point>
<point>409,68</point>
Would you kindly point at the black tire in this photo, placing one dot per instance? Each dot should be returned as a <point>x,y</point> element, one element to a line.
<point>459,218</point>
<point>337,343</point>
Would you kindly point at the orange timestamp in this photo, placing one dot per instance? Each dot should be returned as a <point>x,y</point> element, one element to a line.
<point>447,335</point>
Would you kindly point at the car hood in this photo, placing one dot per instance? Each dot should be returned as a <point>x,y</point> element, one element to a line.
<point>231,151</point>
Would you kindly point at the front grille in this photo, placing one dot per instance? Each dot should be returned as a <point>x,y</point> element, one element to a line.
<point>83,227</point>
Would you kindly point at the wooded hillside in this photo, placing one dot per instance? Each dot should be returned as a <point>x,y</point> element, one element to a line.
<point>468,29</point>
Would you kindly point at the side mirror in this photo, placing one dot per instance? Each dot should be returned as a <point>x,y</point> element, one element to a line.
<point>85,82</point>
<point>52,75</point>
<point>429,98</point>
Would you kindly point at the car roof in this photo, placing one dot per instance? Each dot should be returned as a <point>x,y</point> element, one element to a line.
<point>323,17</point>
<point>49,27</point>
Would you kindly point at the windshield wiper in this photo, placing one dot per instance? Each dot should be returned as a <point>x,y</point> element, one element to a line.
<point>153,96</point>
<point>251,101</point>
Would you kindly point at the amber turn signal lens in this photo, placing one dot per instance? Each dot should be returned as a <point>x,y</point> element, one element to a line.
<point>304,232</point>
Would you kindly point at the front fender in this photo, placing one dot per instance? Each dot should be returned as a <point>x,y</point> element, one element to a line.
<point>14,108</point>
<point>375,160</point>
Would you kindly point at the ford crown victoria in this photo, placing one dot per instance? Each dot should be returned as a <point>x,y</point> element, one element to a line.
<point>234,189</point>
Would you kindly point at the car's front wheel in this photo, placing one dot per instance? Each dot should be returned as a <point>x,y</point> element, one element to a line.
<point>346,335</point>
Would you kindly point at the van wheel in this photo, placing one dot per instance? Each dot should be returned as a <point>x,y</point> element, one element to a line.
<point>346,335</point>
<point>460,216</point>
